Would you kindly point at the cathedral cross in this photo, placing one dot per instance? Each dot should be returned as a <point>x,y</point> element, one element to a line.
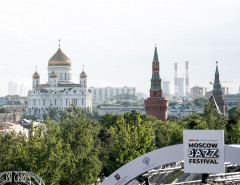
<point>59,42</point>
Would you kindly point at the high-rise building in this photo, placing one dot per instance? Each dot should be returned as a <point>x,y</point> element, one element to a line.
<point>156,105</point>
<point>225,90</point>
<point>180,87</point>
<point>10,88</point>
<point>217,92</point>
<point>198,92</point>
<point>59,92</point>
<point>166,87</point>
<point>22,90</point>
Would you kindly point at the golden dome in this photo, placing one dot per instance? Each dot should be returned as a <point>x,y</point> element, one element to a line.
<point>59,59</point>
<point>53,74</point>
<point>36,75</point>
<point>83,74</point>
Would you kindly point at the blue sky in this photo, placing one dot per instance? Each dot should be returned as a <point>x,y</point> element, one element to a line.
<point>115,40</point>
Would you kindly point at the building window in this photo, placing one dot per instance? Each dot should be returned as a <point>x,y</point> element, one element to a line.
<point>65,76</point>
<point>74,101</point>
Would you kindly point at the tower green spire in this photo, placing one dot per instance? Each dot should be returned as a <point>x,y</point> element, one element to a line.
<point>155,57</point>
<point>217,68</point>
<point>156,80</point>
<point>216,84</point>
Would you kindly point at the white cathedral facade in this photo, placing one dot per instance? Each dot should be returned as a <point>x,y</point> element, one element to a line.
<point>59,92</point>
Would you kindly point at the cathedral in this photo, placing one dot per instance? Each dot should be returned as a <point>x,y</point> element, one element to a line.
<point>59,92</point>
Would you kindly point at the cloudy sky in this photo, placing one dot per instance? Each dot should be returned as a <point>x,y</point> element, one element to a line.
<point>115,40</point>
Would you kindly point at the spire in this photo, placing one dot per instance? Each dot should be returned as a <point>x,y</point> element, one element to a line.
<point>216,68</point>
<point>156,80</point>
<point>216,84</point>
<point>155,57</point>
<point>59,42</point>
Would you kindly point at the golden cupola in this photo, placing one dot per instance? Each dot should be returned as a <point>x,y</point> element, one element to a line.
<point>36,75</point>
<point>83,74</point>
<point>53,74</point>
<point>59,59</point>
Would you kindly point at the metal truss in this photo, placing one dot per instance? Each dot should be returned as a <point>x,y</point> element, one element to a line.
<point>24,177</point>
<point>166,168</point>
<point>226,178</point>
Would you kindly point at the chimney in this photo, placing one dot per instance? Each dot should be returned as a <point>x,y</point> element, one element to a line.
<point>186,79</point>
<point>175,80</point>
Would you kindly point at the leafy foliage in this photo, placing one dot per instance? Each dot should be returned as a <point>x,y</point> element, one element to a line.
<point>131,135</point>
<point>3,110</point>
<point>75,148</point>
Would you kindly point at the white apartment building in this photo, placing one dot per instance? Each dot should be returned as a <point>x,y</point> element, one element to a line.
<point>197,92</point>
<point>101,94</point>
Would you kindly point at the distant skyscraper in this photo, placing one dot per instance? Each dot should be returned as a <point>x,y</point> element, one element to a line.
<point>217,92</point>
<point>166,87</point>
<point>22,90</point>
<point>10,88</point>
<point>225,90</point>
<point>156,105</point>
<point>13,88</point>
<point>180,87</point>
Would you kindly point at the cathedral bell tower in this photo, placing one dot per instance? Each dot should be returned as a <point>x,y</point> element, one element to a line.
<point>83,79</point>
<point>36,79</point>
<point>156,104</point>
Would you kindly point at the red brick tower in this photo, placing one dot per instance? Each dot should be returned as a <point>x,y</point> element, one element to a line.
<point>217,92</point>
<point>156,105</point>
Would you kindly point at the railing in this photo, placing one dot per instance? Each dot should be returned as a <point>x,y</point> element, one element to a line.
<point>28,178</point>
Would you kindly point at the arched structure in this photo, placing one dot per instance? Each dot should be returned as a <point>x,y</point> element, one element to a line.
<point>160,157</point>
<point>24,177</point>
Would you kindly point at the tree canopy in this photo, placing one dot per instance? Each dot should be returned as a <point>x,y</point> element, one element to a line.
<point>76,149</point>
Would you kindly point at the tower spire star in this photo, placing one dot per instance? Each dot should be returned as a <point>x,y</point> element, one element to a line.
<point>36,68</point>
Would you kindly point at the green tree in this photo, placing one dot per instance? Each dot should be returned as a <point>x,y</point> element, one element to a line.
<point>212,116</point>
<point>55,114</point>
<point>130,135</point>
<point>3,110</point>
<point>167,133</point>
<point>233,126</point>
<point>81,148</point>
<point>200,101</point>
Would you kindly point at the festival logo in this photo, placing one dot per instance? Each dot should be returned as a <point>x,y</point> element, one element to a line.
<point>146,160</point>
